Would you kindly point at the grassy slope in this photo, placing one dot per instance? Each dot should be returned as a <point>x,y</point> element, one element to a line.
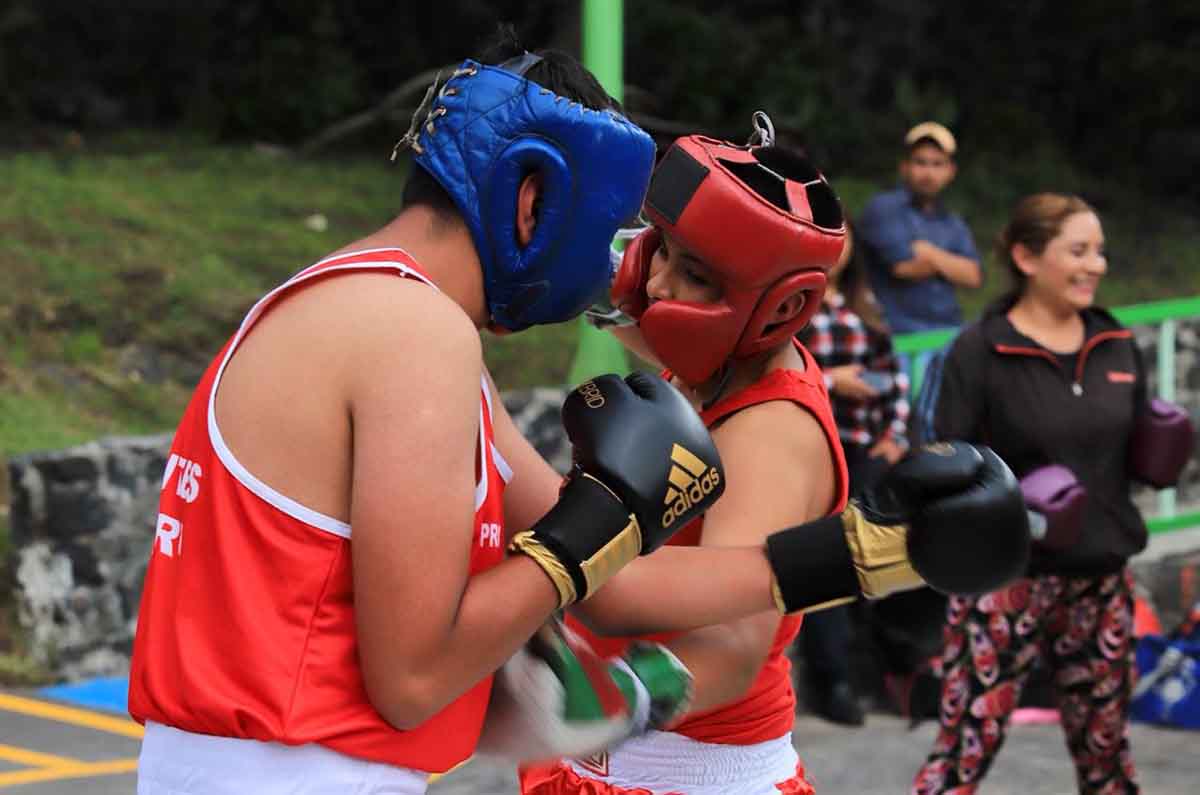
<point>124,268</point>
<point>122,271</point>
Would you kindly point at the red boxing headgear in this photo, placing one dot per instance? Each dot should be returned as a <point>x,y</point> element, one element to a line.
<point>768,225</point>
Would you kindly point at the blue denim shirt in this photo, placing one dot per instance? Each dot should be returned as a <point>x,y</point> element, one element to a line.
<point>888,225</point>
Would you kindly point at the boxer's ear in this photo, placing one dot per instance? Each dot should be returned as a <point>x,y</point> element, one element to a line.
<point>789,308</point>
<point>529,202</point>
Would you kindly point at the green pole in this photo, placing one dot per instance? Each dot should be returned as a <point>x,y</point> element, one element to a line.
<point>603,41</point>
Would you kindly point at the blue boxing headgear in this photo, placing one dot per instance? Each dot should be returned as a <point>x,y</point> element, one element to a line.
<point>488,128</point>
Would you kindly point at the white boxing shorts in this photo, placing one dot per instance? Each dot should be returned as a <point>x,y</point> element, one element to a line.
<point>175,762</point>
<point>665,763</point>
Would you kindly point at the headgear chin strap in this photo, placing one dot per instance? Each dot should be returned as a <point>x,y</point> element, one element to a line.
<point>766,223</point>
<point>488,128</point>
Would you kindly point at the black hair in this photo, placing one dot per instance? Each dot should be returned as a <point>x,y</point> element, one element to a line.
<point>557,71</point>
<point>855,287</point>
<point>826,209</point>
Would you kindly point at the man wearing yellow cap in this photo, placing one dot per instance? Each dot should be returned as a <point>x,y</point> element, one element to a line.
<point>918,252</point>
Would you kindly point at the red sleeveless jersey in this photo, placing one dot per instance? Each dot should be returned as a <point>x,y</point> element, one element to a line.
<point>767,709</point>
<point>246,626</point>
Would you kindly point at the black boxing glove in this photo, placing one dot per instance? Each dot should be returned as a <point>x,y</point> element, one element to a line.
<point>949,515</point>
<point>975,541</point>
<point>644,466</point>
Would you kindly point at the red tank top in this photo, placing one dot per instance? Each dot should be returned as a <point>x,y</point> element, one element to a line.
<point>767,709</point>
<point>246,626</point>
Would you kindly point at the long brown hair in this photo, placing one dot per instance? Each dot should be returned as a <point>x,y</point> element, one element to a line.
<point>1035,221</point>
<point>852,283</point>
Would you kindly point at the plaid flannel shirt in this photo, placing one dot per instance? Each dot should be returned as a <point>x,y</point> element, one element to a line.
<point>837,336</point>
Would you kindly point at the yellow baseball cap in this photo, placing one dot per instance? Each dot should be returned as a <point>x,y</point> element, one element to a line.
<point>934,132</point>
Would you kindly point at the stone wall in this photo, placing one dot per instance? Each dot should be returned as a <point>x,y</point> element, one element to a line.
<point>82,522</point>
<point>83,519</point>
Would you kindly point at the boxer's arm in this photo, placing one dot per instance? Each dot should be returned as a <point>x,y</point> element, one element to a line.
<point>739,578</point>
<point>425,632</point>
<point>534,487</point>
<point>736,583</point>
<point>774,480</point>
<point>782,477</point>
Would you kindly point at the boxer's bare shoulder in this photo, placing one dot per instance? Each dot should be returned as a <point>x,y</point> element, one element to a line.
<point>340,345</point>
<point>781,473</point>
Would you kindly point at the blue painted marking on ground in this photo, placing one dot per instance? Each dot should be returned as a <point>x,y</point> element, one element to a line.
<point>108,694</point>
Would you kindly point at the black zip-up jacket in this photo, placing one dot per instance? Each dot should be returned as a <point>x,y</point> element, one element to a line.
<point>1002,389</point>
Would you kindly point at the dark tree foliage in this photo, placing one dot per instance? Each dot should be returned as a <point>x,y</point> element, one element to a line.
<point>1108,85</point>
<point>265,69</point>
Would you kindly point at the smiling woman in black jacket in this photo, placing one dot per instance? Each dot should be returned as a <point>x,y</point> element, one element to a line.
<point>1046,378</point>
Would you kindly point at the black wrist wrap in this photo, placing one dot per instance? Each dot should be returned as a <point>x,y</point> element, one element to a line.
<point>812,565</point>
<point>579,525</point>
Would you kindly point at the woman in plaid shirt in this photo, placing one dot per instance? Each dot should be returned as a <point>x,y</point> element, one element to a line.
<point>850,341</point>
<point>852,344</point>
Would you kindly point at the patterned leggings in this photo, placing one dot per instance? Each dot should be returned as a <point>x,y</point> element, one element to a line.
<point>1082,629</point>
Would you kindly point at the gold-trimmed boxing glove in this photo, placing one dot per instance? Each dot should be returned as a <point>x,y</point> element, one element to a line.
<point>949,515</point>
<point>644,466</point>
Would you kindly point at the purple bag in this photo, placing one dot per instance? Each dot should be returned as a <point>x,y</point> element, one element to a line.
<point>1161,444</point>
<point>1056,500</point>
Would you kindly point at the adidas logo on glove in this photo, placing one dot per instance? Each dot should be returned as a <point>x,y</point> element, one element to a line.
<point>691,480</point>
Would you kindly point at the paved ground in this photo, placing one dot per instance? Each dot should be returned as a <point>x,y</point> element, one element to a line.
<point>881,758</point>
<point>50,749</point>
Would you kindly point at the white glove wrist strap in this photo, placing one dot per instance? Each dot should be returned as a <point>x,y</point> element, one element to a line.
<point>641,708</point>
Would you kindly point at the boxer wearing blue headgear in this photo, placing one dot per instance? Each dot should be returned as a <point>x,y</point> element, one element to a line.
<point>348,480</point>
<point>486,130</point>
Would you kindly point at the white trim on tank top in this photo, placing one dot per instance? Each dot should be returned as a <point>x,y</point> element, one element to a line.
<point>281,501</point>
<point>502,466</point>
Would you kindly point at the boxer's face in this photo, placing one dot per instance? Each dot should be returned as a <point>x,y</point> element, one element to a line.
<point>678,275</point>
<point>1069,269</point>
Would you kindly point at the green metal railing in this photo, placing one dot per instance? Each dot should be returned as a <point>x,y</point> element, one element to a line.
<point>1164,314</point>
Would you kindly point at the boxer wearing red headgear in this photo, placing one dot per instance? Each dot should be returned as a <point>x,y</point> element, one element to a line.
<point>767,226</point>
<point>733,266</point>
